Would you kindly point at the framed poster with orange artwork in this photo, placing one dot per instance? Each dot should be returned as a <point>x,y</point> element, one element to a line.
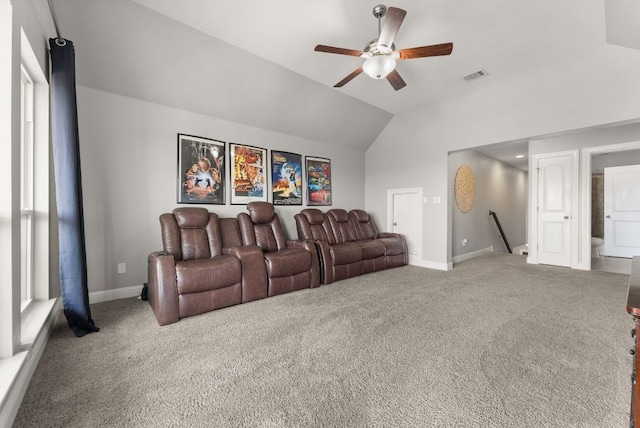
<point>248,174</point>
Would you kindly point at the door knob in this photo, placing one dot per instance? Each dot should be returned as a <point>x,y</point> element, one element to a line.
<point>395,224</point>
<point>566,217</point>
<point>608,216</point>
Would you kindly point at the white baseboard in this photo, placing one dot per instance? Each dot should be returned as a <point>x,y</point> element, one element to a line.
<point>471,255</point>
<point>115,294</point>
<point>21,366</point>
<point>429,264</point>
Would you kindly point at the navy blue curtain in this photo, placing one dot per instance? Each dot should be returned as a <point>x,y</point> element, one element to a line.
<point>66,160</point>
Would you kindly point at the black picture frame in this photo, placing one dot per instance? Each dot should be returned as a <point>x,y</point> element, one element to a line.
<point>286,178</point>
<point>318,173</point>
<point>201,170</point>
<point>248,174</point>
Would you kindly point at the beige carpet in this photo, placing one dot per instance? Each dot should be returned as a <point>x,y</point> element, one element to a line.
<point>493,343</point>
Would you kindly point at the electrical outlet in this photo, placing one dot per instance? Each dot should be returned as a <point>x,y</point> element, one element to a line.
<point>122,268</point>
<point>465,241</point>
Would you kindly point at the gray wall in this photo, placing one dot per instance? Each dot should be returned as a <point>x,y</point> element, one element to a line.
<point>552,98</point>
<point>605,160</point>
<point>623,133</point>
<point>129,168</point>
<point>499,187</point>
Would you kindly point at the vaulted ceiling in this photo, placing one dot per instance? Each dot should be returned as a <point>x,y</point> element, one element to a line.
<point>253,62</point>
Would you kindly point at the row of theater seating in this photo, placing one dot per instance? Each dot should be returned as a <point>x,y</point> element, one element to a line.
<point>209,262</point>
<point>349,244</point>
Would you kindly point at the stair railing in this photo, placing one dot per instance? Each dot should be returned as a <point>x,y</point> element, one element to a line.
<point>502,235</point>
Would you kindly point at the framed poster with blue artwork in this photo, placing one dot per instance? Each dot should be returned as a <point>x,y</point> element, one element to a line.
<point>286,178</point>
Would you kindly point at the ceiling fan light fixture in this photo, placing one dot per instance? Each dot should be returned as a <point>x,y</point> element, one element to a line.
<point>379,66</point>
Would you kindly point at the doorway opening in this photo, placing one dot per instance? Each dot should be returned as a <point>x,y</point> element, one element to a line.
<point>594,160</point>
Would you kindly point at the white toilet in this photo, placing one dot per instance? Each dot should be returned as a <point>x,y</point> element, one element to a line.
<point>596,243</point>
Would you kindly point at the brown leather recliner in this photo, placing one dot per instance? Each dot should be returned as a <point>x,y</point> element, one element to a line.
<point>198,270</point>
<point>395,246</point>
<point>291,265</point>
<point>349,244</point>
<point>340,258</point>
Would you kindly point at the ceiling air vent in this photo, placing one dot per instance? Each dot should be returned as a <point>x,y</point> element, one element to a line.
<point>476,75</point>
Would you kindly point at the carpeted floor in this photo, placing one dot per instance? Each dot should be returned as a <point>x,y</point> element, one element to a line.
<point>493,343</point>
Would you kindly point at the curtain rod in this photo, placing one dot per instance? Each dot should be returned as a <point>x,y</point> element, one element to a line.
<point>60,41</point>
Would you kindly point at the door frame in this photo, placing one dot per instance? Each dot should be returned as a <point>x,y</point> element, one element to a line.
<point>609,246</point>
<point>533,206</point>
<point>585,191</point>
<point>415,260</point>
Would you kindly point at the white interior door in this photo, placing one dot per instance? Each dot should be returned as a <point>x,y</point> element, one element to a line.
<point>554,210</point>
<point>622,211</point>
<point>406,218</point>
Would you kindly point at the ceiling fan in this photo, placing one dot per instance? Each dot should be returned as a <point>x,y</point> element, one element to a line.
<point>381,53</point>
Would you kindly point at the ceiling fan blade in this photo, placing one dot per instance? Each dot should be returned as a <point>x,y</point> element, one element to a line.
<point>395,80</point>
<point>341,51</point>
<point>424,51</point>
<point>391,25</point>
<point>347,79</point>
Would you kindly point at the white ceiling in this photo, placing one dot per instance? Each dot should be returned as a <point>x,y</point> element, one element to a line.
<point>500,36</point>
<point>253,61</point>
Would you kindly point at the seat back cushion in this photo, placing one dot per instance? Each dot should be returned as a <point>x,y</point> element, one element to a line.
<point>312,223</point>
<point>191,233</point>
<point>262,227</point>
<point>363,225</point>
<point>339,221</point>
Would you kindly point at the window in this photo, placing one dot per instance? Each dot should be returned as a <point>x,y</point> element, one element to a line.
<point>34,179</point>
<point>26,188</point>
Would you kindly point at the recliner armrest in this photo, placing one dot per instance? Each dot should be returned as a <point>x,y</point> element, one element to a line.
<point>254,271</point>
<point>390,235</point>
<point>163,290</point>
<point>310,246</point>
<point>402,239</point>
<point>305,244</point>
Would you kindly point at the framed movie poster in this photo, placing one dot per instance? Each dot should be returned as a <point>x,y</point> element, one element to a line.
<point>318,181</point>
<point>286,178</point>
<point>248,174</point>
<point>201,170</point>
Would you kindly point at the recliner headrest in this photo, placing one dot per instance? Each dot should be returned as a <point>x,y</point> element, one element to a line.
<point>313,215</point>
<point>191,217</point>
<point>339,214</point>
<point>361,215</point>
<point>261,212</point>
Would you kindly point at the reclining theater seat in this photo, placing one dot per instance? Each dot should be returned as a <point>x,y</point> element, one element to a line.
<point>291,265</point>
<point>349,244</point>
<point>192,275</point>
<point>348,254</point>
<point>395,245</point>
<point>312,225</point>
<point>340,258</point>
